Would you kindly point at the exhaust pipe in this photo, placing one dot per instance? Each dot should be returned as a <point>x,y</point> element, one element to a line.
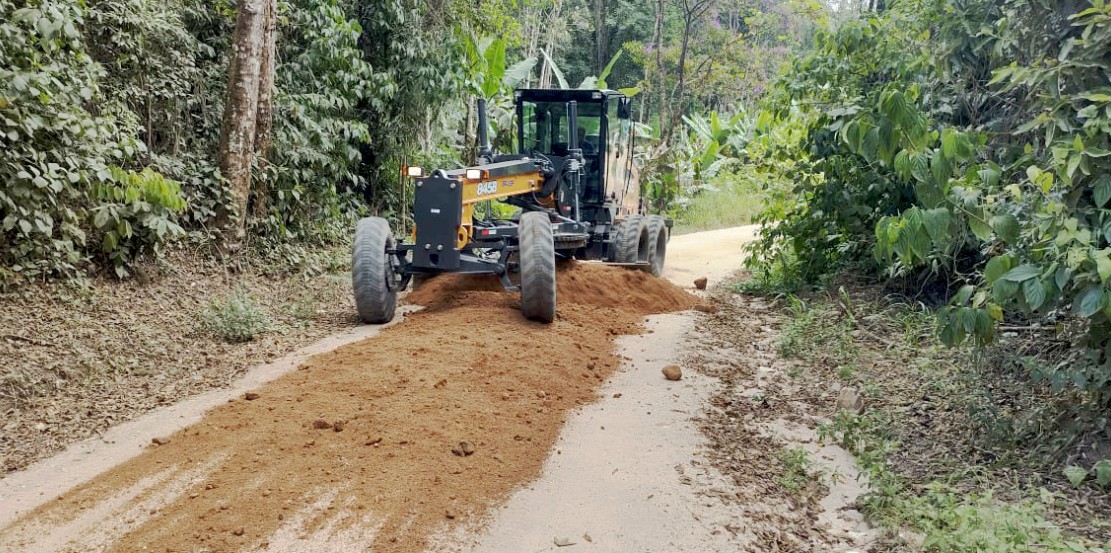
<point>485,153</point>
<point>573,130</point>
<point>576,155</point>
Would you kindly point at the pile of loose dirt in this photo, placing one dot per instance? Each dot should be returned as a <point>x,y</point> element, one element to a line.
<point>277,473</point>
<point>588,284</point>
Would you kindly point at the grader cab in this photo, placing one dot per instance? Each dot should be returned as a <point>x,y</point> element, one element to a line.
<point>573,190</point>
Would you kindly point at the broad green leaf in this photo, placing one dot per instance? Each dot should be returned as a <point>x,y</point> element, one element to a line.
<point>949,143</point>
<point>101,219</point>
<point>1006,226</point>
<point>1034,292</point>
<point>495,68</point>
<point>963,294</point>
<point>1075,475</point>
<point>1003,290</point>
<point>919,241</point>
<point>968,320</point>
<point>902,164</point>
<point>1102,190</point>
<point>1103,266</point>
<point>1022,273</point>
<point>1103,472</point>
<point>1073,163</point>
<point>930,195</point>
<point>555,70</point>
<point>518,72</point>
<point>979,227</point>
<point>995,312</point>
<point>996,267</point>
<point>111,240</point>
<point>1061,277</point>
<point>989,175</point>
<point>606,71</point>
<point>940,169</point>
<point>1090,300</point>
<point>937,222</point>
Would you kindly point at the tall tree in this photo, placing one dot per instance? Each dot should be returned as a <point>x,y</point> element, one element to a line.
<point>661,103</point>
<point>692,13</point>
<point>601,36</point>
<point>265,123</point>
<point>239,129</point>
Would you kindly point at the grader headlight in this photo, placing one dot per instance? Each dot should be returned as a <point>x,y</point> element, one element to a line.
<point>415,172</point>
<point>476,174</point>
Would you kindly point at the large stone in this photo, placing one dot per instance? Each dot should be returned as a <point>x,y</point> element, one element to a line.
<point>673,372</point>
<point>849,400</point>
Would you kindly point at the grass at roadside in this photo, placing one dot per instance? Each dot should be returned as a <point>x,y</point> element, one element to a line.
<point>951,440</point>
<point>730,200</point>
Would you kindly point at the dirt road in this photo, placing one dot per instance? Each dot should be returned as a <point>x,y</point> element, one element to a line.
<point>444,432</point>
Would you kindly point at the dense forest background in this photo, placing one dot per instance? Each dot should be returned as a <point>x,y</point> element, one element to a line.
<point>112,111</point>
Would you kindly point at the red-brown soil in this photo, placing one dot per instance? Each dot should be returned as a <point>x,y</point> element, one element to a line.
<point>469,368</point>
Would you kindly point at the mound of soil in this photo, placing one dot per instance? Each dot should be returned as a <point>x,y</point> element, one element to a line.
<point>360,448</point>
<point>576,283</point>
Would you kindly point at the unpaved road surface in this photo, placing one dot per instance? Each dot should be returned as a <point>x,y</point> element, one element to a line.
<point>443,432</point>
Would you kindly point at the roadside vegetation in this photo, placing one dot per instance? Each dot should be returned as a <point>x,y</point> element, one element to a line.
<point>947,163</point>
<point>960,452</point>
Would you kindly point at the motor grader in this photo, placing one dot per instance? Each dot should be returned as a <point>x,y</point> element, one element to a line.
<point>572,189</point>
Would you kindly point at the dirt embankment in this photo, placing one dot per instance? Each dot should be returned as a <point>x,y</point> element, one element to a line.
<point>362,448</point>
<point>74,362</point>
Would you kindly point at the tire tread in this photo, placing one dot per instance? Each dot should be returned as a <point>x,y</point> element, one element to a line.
<point>370,269</point>
<point>538,268</point>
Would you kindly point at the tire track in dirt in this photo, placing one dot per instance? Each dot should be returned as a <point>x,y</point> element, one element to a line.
<point>354,450</point>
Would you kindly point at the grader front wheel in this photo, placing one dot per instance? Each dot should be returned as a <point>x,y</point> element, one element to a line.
<point>371,271</point>
<point>538,271</point>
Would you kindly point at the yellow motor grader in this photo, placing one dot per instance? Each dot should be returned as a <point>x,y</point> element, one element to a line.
<point>576,194</point>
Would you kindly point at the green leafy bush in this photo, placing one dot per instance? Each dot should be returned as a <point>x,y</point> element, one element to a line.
<point>962,148</point>
<point>60,159</point>
<point>136,213</point>
<point>52,147</point>
<point>236,318</point>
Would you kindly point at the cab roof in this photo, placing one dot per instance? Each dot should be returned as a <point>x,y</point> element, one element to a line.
<point>566,94</point>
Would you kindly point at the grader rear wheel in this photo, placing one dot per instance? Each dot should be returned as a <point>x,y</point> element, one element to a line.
<point>629,235</point>
<point>538,270</point>
<point>657,244</point>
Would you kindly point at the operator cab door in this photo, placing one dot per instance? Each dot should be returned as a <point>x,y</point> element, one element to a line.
<point>622,184</point>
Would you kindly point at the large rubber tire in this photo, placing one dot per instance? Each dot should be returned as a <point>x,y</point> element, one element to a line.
<point>538,269</point>
<point>657,244</point>
<point>372,272</point>
<point>628,239</point>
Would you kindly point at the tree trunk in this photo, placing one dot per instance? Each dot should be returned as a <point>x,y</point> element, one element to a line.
<point>680,87</point>
<point>549,46</point>
<point>265,112</point>
<point>600,36</point>
<point>692,13</point>
<point>237,132</point>
<point>662,92</point>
